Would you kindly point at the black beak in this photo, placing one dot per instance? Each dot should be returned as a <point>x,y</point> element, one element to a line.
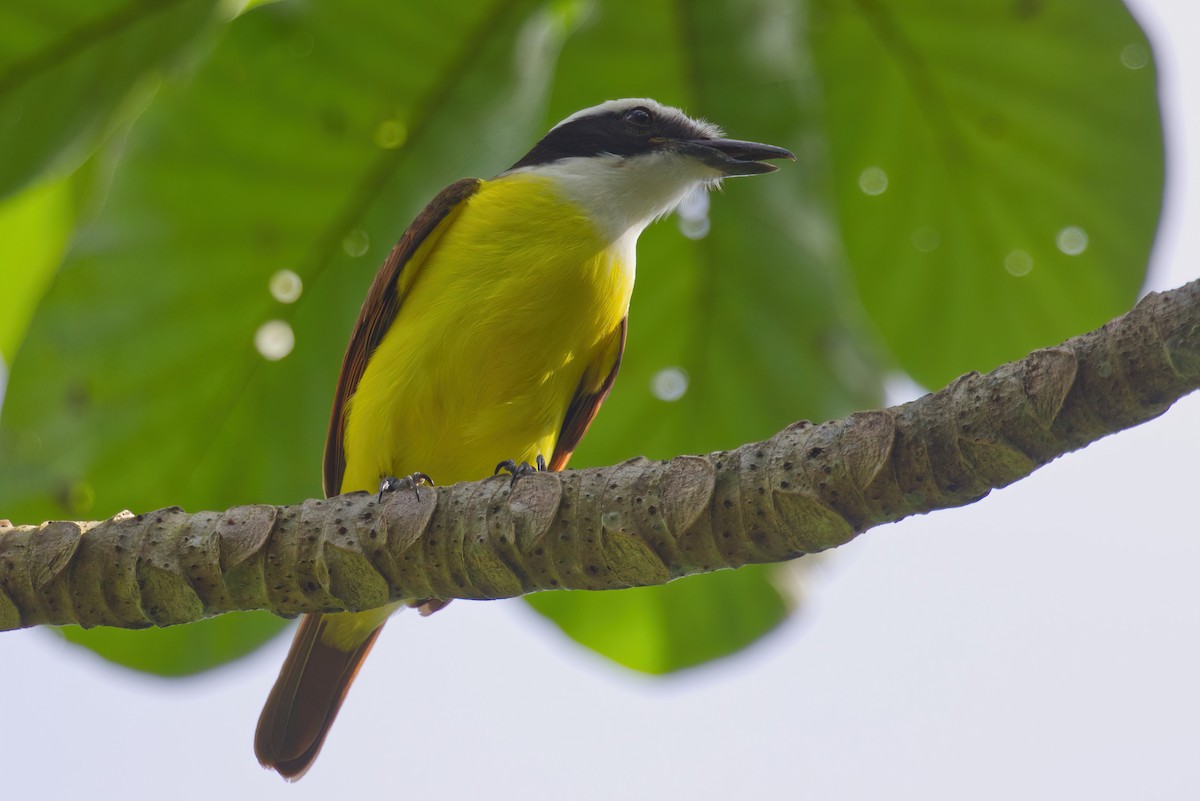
<point>735,157</point>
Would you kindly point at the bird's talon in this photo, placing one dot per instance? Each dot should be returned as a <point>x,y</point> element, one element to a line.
<point>522,469</point>
<point>412,482</point>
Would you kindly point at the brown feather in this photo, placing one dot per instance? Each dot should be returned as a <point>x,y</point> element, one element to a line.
<point>316,675</point>
<point>378,311</point>
<point>586,402</point>
<point>306,698</point>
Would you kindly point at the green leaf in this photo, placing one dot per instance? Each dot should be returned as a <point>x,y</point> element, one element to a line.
<point>998,167</point>
<point>640,628</point>
<point>70,72</point>
<point>297,147</point>
<point>745,301</point>
<point>180,650</point>
<point>299,151</point>
<point>315,132</point>
<point>734,333</point>
<point>34,228</point>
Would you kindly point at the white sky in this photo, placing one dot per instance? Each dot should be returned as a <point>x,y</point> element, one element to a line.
<point>1044,643</point>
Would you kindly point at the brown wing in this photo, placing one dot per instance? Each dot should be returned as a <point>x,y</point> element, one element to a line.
<point>378,311</point>
<point>592,390</point>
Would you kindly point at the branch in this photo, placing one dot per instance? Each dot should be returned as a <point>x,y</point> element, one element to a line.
<point>640,522</point>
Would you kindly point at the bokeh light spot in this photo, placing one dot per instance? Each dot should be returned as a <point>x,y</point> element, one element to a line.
<point>286,286</point>
<point>390,134</point>
<point>1135,56</point>
<point>1072,240</point>
<point>873,181</point>
<point>1018,263</point>
<point>274,339</point>
<point>356,243</point>
<point>692,215</point>
<point>669,384</point>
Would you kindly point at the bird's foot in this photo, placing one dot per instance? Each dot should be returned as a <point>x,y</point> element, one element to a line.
<point>410,482</point>
<point>522,469</point>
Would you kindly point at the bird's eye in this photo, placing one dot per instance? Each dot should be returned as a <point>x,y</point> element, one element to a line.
<point>639,116</point>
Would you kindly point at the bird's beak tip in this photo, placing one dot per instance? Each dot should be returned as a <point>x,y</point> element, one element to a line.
<point>735,157</point>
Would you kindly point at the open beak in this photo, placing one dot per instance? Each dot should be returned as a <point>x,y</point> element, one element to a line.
<point>735,157</point>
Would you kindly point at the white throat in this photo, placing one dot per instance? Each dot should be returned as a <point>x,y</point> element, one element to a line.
<point>622,195</point>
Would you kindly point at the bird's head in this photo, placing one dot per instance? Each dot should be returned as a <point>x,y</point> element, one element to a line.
<point>630,161</point>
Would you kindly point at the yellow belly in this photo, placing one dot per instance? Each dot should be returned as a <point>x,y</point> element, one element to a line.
<point>515,302</point>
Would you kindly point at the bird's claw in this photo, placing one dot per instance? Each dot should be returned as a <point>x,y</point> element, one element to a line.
<point>522,469</point>
<point>412,482</point>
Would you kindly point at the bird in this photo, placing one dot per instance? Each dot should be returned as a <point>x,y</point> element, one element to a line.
<point>491,335</point>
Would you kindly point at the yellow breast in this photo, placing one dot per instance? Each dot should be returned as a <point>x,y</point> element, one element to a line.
<point>518,297</point>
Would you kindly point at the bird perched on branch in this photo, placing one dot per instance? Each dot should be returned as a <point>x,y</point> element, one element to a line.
<point>491,335</point>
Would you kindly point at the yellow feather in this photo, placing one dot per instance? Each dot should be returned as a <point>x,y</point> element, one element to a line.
<point>505,311</point>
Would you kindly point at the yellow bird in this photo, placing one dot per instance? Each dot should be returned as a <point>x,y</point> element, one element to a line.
<point>491,334</point>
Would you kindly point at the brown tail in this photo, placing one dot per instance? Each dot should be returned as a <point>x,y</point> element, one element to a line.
<point>307,695</point>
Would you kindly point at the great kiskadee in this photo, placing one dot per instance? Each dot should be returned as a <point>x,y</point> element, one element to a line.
<point>492,333</point>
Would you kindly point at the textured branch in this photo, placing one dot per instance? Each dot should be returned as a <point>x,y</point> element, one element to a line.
<point>806,489</point>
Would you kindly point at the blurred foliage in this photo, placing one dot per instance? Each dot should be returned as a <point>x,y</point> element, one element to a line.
<point>973,181</point>
<point>71,73</point>
<point>641,629</point>
<point>180,650</point>
<point>1021,150</point>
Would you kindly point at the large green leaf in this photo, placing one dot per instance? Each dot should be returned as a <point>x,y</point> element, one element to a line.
<point>34,228</point>
<point>305,144</point>
<point>998,167</point>
<point>294,148</point>
<point>734,332</point>
<point>68,70</point>
<point>641,628</point>
<point>180,650</point>
<point>745,302</point>
<point>315,132</point>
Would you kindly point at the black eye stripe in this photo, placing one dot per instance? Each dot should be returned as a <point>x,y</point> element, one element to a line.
<point>610,132</point>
